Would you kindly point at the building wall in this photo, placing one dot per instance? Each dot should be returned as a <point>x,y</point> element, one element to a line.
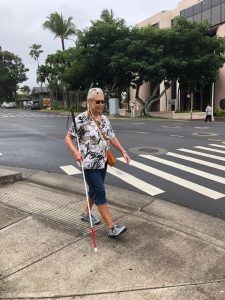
<point>163,19</point>
<point>220,83</point>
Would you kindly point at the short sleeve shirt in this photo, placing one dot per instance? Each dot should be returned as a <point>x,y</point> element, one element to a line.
<point>93,147</point>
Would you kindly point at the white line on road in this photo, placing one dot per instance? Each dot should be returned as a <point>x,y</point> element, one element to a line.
<point>185,168</point>
<point>181,136</point>
<point>70,170</point>
<point>215,145</point>
<point>209,149</point>
<point>198,161</point>
<point>142,132</point>
<point>139,184</point>
<point>177,180</point>
<point>214,140</point>
<point>202,154</point>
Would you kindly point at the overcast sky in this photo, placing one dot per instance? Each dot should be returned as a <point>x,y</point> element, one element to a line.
<point>21,22</point>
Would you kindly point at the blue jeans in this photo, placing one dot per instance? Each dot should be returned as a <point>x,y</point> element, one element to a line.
<point>95,179</point>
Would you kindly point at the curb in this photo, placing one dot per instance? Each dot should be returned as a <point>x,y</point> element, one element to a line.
<point>7,176</point>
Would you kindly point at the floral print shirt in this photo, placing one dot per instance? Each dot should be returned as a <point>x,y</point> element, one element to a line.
<point>93,147</point>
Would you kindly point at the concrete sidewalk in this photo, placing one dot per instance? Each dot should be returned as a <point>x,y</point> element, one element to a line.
<point>168,252</point>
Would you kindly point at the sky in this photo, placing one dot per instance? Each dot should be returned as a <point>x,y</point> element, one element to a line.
<point>21,23</point>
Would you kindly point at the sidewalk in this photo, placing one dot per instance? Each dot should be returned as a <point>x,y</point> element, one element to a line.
<point>168,253</point>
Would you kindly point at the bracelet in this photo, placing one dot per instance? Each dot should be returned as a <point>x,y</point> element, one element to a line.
<point>124,151</point>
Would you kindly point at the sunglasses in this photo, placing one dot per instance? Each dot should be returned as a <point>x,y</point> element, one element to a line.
<point>100,101</point>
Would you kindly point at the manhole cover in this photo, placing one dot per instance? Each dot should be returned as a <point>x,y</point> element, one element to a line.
<point>148,150</point>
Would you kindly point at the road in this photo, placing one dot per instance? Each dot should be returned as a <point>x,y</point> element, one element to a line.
<point>178,161</point>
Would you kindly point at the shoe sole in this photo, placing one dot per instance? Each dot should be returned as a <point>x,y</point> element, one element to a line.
<point>85,220</point>
<point>113,236</point>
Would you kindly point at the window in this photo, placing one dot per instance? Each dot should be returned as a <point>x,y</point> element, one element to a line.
<point>216,2</point>
<point>197,8</point>
<point>206,15</point>
<point>223,12</point>
<point>189,12</point>
<point>206,4</point>
<point>216,15</point>
<point>198,17</point>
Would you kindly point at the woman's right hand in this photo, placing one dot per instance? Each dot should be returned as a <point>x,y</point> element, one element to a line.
<point>77,155</point>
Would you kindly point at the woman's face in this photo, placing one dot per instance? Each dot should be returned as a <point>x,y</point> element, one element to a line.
<point>97,105</point>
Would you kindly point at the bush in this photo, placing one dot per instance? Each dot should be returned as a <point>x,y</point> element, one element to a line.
<point>220,113</point>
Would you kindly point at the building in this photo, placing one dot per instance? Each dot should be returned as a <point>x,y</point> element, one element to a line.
<point>198,10</point>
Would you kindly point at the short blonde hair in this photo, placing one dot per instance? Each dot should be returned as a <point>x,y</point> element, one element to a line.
<point>92,93</point>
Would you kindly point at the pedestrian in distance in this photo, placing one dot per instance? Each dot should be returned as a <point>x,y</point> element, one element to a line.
<point>90,127</point>
<point>132,109</point>
<point>208,111</point>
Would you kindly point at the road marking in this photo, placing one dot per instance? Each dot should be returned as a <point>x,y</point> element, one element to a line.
<point>216,140</point>
<point>209,149</point>
<point>215,145</point>
<point>177,180</point>
<point>185,168</point>
<point>198,161</point>
<point>139,184</point>
<point>181,136</point>
<point>0,153</point>
<point>70,170</point>
<point>142,132</point>
<point>202,154</point>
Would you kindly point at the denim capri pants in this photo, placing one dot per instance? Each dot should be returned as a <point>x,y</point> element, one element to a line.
<point>95,180</point>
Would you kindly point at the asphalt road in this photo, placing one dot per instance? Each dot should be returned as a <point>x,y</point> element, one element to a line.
<point>35,140</point>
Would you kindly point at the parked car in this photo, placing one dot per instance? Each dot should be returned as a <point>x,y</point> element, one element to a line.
<point>8,105</point>
<point>34,104</point>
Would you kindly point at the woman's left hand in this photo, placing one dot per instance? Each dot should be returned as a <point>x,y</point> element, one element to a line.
<point>126,157</point>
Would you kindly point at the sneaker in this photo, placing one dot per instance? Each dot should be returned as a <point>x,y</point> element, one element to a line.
<point>86,218</point>
<point>116,230</point>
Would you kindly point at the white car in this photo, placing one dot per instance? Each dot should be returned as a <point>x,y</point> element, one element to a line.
<point>8,105</point>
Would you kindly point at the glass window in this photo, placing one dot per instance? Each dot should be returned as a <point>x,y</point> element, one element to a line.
<point>190,19</point>
<point>182,13</point>
<point>198,17</point>
<point>223,12</point>
<point>197,8</point>
<point>216,15</point>
<point>216,2</point>
<point>189,12</point>
<point>206,4</point>
<point>206,15</point>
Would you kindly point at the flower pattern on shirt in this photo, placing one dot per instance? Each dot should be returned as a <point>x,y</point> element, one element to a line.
<point>93,147</point>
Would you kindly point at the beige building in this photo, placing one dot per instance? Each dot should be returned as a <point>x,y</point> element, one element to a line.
<point>199,10</point>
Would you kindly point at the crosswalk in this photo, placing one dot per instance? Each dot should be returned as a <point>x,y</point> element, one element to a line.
<point>156,166</point>
<point>32,115</point>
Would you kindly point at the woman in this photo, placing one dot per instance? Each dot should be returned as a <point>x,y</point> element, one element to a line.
<point>92,154</point>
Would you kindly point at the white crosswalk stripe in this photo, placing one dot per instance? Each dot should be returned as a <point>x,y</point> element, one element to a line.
<point>198,161</point>
<point>215,145</point>
<point>210,149</point>
<point>177,180</point>
<point>202,154</point>
<point>70,170</point>
<point>140,184</point>
<point>185,168</point>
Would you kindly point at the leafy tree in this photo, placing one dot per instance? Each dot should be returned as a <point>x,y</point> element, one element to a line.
<point>107,16</point>
<point>62,28</point>
<point>35,52</point>
<point>12,72</point>
<point>100,57</point>
<point>186,53</point>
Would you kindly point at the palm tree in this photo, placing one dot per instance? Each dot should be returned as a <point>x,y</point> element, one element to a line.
<point>61,27</point>
<point>107,16</point>
<point>35,52</point>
